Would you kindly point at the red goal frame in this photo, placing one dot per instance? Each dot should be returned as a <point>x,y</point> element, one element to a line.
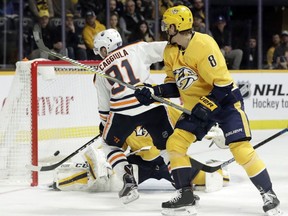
<point>34,108</point>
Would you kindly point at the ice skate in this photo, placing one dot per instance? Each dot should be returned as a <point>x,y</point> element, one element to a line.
<point>197,199</point>
<point>183,204</point>
<point>271,204</point>
<point>129,192</point>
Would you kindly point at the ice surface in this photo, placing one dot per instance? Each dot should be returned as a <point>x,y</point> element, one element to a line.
<point>238,199</point>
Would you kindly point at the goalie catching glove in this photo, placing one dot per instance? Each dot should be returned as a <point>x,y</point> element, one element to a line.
<point>216,135</point>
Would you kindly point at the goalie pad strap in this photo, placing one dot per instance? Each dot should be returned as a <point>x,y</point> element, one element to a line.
<point>77,178</point>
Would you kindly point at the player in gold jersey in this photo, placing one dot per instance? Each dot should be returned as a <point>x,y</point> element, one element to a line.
<point>96,174</point>
<point>197,72</point>
<point>151,164</point>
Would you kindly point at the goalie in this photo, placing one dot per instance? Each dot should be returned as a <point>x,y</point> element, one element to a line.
<point>97,175</point>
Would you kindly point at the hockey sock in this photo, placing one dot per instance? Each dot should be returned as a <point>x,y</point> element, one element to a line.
<point>117,160</point>
<point>182,177</point>
<point>262,181</point>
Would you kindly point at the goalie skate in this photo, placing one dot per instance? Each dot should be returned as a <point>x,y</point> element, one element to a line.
<point>129,192</point>
<point>183,204</point>
<point>271,204</point>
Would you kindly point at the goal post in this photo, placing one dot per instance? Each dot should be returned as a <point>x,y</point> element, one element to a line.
<point>51,107</point>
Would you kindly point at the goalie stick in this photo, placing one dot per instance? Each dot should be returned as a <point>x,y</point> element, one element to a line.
<point>211,169</point>
<point>40,44</point>
<point>145,148</point>
<point>55,165</point>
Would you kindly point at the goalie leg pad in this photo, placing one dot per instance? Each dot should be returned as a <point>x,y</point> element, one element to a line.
<point>98,166</point>
<point>210,182</point>
<point>213,182</point>
<point>71,177</point>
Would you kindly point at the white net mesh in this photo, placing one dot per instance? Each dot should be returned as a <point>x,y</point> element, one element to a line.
<point>15,148</point>
<point>66,116</point>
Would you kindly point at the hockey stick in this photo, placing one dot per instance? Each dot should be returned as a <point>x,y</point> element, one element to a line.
<point>55,165</point>
<point>211,169</point>
<point>195,163</point>
<point>145,148</point>
<point>40,44</point>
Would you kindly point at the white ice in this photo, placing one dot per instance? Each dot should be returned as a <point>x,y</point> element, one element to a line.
<point>238,199</point>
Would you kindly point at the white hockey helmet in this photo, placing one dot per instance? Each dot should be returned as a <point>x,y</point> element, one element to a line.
<point>110,39</point>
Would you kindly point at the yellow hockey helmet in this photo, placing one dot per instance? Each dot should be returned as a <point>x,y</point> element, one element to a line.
<point>180,16</point>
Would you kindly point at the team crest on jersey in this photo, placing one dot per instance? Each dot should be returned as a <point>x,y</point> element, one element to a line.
<point>245,88</point>
<point>141,131</point>
<point>185,77</point>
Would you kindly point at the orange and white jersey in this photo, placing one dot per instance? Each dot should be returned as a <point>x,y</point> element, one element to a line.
<point>129,64</point>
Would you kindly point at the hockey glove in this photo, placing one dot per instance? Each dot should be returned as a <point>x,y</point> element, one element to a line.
<point>143,94</point>
<point>210,105</point>
<point>205,108</point>
<point>217,137</point>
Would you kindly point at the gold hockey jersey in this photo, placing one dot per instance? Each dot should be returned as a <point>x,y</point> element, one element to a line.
<point>196,69</point>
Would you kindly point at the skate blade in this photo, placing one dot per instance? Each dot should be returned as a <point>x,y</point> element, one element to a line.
<point>274,212</point>
<point>132,196</point>
<point>182,211</point>
<point>197,205</point>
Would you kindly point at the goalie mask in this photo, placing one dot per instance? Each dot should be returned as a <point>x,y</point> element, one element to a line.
<point>109,39</point>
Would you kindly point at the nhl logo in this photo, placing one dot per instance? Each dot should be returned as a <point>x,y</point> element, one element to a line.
<point>245,88</point>
<point>165,134</point>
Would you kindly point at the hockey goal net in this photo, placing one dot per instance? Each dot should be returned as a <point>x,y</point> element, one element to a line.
<point>51,107</point>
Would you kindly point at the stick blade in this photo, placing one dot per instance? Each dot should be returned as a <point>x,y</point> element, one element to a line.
<point>37,33</point>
